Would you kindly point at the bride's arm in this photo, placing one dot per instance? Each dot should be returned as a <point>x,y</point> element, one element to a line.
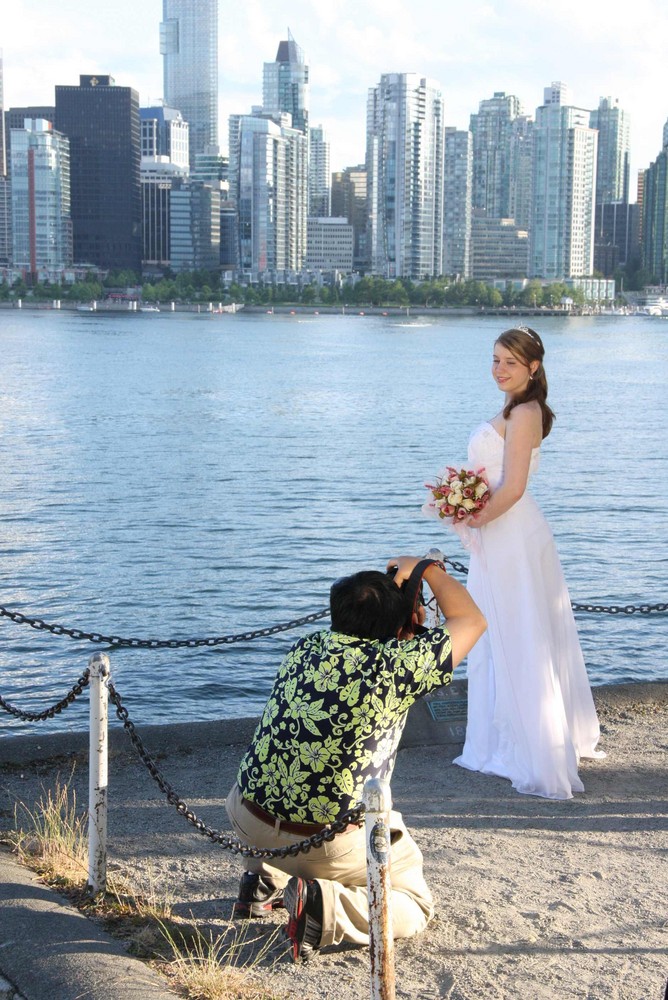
<point>523,428</point>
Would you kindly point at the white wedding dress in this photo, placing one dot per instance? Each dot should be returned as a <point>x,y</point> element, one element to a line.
<point>531,715</point>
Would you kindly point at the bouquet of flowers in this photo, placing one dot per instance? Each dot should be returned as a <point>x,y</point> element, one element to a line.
<point>456,494</point>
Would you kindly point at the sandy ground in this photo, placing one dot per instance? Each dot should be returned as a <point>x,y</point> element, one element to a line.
<point>535,899</point>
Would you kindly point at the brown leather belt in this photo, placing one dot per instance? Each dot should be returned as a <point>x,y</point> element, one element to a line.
<point>286,825</point>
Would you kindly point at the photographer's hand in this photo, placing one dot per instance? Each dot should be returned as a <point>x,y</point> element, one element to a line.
<point>404,566</point>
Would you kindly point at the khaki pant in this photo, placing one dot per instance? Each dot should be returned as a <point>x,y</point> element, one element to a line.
<point>340,870</point>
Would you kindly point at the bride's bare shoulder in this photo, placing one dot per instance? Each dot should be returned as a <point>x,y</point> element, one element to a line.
<point>526,418</point>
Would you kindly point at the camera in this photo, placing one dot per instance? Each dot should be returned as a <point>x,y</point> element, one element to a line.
<point>420,599</point>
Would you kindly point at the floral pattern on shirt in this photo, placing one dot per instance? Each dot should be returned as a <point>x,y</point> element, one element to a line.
<point>335,717</point>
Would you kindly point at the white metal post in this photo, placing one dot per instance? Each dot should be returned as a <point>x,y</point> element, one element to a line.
<point>378,802</point>
<point>98,772</point>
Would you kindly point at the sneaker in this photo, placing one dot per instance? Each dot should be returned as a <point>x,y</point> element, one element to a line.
<point>303,901</point>
<point>258,896</point>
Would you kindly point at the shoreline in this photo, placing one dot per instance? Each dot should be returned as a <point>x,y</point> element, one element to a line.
<point>424,726</point>
<point>300,309</point>
<point>535,898</point>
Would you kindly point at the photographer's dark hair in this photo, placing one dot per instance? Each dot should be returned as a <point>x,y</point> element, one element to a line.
<point>527,347</point>
<point>368,605</point>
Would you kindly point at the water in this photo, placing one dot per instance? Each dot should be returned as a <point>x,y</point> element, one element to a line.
<point>179,476</point>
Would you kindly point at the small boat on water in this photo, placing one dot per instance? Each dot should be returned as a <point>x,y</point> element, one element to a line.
<point>149,309</point>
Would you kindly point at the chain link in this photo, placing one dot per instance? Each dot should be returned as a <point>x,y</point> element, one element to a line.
<point>619,609</point>
<point>49,713</point>
<point>134,643</point>
<point>228,843</point>
<point>119,642</point>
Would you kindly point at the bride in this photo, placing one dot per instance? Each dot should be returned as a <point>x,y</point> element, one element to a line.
<point>531,715</point>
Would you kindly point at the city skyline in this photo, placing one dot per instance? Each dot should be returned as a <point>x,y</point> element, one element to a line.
<point>470,52</point>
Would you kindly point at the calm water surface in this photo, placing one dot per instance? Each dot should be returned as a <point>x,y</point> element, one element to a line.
<point>179,476</point>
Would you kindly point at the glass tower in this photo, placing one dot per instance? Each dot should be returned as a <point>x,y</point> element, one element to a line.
<point>492,129</point>
<point>319,177</point>
<point>41,231</point>
<point>564,181</point>
<point>189,45</point>
<point>613,170</point>
<point>405,176</point>
<point>285,84</point>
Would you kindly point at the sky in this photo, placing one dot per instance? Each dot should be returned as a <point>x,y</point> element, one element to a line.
<point>470,48</point>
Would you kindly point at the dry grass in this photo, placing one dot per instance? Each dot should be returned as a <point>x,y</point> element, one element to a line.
<point>51,838</point>
<point>54,842</point>
<point>204,966</point>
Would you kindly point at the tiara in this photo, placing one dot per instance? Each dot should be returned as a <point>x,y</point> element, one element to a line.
<point>530,333</point>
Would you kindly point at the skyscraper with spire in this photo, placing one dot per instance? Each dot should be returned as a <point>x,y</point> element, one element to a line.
<point>189,46</point>
<point>285,84</point>
<point>285,101</point>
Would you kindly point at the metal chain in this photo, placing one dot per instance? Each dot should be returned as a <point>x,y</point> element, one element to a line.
<point>619,609</point>
<point>114,640</point>
<point>49,713</point>
<point>225,841</point>
<point>134,643</point>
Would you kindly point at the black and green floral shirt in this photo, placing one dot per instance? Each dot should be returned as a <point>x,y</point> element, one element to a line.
<point>334,718</point>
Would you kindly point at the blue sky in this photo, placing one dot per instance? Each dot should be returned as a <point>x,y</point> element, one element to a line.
<point>471,48</point>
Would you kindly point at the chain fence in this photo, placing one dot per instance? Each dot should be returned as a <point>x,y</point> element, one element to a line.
<point>228,843</point>
<point>56,709</point>
<point>351,817</point>
<point>120,642</point>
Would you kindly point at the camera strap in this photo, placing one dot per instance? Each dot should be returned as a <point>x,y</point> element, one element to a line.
<point>413,584</point>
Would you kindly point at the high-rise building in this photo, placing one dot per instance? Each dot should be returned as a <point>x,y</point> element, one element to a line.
<point>3,151</point>
<point>457,189</point>
<point>655,216</point>
<point>330,245</point>
<point>521,171</point>
<point>41,223</point>
<point>268,184</point>
<point>319,177</point>
<point>285,85</point>
<point>189,46</point>
<point>14,119</point>
<point>285,92</point>
<point>405,176</point>
<point>4,182</point>
<point>491,128</point>
<point>194,225</point>
<point>500,248</point>
<point>165,156</point>
<point>349,201</point>
<point>613,158</point>
<point>165,133</point>
<point>564,183</point>
<point>613,225</point>
<point>101,121</point>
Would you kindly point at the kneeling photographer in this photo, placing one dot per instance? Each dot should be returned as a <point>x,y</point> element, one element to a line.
<point>334,719</point>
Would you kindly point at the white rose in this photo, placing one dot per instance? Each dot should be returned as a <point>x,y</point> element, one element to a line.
<point>480,490</point>
<point>468,504</point>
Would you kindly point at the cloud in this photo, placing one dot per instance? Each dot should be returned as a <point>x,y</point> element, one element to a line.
<point>471,48</point>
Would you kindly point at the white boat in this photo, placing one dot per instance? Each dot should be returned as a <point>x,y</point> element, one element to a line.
<point>149,309</point>
<point>230,307</point>
<point>655,305</point>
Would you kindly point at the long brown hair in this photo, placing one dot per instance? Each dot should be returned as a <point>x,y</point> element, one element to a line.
<point>527,347</point>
